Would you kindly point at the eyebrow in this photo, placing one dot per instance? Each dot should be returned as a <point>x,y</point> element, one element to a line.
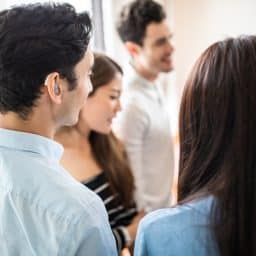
<point>116,90</point>
<point>163,39</point>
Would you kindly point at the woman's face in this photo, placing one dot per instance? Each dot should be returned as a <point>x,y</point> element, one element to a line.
<point>100,108</point>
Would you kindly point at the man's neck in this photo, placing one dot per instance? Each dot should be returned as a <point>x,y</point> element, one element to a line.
<point>32,125</point>
<point>144,72</point>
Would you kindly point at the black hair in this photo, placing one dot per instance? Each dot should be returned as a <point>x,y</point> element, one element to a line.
<point>135,17</point>
<point>35,40</point>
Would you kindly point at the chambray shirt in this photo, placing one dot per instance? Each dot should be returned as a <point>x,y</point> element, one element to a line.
<point>178,231</point>
<point>43,210</point>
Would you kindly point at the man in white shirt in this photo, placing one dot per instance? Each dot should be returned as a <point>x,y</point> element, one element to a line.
<point>144,124</point>
<point>45,67</point>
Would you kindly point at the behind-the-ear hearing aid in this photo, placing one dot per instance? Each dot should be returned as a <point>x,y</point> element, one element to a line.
<point>56,89</point>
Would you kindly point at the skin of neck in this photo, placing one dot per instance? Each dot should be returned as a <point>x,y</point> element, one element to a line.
<point>32,124</point>
<point>40,120</point>
<point>143,71</point>
<point>75,136</point>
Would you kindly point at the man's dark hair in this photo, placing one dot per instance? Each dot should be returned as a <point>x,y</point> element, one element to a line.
<point>135,17</point>
<point>36,40</point>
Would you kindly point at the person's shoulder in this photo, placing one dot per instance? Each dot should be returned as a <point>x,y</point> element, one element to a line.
<point>52,189</point>
<point>132,90</point>
<point>134,106</point>
<point>181,230</point>
<point>179,215</point>
<point>133,83</point>
<point>75,199</point>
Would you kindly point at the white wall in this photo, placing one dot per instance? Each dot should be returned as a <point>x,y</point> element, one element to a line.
<point>114,45</point>
<point>199,23</point>
<point>3,4</point>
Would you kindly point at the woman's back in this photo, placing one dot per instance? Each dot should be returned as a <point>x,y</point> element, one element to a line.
<point>217,124</point>
<point>181,230</point>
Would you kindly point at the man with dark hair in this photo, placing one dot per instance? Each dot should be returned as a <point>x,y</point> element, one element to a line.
<point>144,124</point>
<point>45,65</point>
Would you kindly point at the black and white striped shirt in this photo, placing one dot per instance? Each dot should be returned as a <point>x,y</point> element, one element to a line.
<point>119,216</point>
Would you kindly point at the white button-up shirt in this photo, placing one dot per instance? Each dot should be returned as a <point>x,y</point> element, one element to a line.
<point>143,125</point>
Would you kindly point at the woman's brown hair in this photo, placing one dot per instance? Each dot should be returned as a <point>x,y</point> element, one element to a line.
<point>107,149</point>
<point>218,142</point>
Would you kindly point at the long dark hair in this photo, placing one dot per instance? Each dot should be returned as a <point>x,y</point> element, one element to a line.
<point>107,149</point>
<point>218,143</point>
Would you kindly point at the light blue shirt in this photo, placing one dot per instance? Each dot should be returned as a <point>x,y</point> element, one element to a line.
<point>178,231</point>
<point>43,210</point>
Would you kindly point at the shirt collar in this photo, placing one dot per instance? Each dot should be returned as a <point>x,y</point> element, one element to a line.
<point>133,74</point>
<point>29,142</point>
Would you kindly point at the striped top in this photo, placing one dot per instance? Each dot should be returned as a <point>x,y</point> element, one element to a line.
<point>119,216</point>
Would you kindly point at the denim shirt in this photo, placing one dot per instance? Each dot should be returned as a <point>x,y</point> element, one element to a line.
<point>177,231</point>
<point>43,210</point>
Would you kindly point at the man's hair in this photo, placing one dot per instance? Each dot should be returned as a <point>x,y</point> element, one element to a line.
<point>135,17</point>
<point>36,40</point>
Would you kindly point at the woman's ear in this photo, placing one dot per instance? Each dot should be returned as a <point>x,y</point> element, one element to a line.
<point>54,87</point>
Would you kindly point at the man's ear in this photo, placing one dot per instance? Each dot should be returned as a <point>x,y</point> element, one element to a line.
<point>54,87</point>
<point>132,48</point>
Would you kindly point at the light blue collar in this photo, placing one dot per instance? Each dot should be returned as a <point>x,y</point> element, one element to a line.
<point>23,141</point>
